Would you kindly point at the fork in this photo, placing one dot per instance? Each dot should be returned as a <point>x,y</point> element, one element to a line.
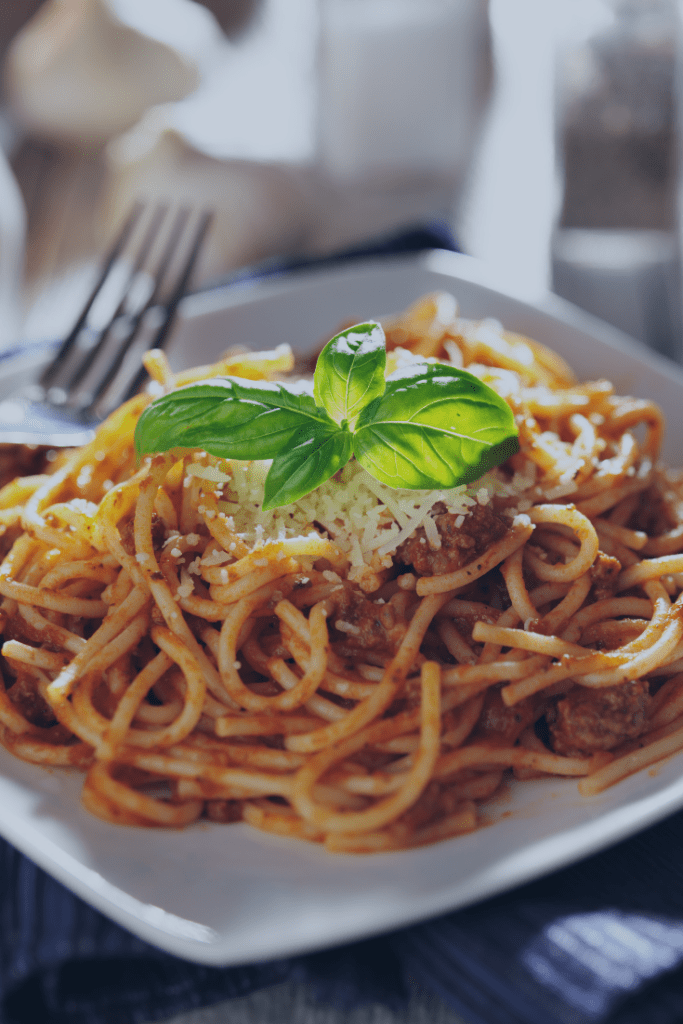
<point>130,309</point>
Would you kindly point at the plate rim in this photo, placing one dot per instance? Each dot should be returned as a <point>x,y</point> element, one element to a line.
<point>559,849</point>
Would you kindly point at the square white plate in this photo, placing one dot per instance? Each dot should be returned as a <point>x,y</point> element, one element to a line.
<point>221,894</point>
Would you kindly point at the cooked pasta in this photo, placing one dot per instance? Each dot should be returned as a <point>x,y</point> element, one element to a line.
<point>366,667</point>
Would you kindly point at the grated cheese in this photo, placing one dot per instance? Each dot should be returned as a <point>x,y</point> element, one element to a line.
<point>347,627</point>
<point>212,473</point>
<point>365,518</point>
<point>216,557</point>
<point>431,532</point>
<point>368,520</point>
<point>186,588</point>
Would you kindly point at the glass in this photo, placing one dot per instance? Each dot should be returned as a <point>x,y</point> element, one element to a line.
<point>616,250</point>
<point>402,84</point>
<point>12,247</point>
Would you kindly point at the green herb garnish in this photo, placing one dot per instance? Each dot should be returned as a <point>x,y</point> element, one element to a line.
<point>426,426</point>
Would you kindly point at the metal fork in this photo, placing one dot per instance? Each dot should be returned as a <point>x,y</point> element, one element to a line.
<point>130,309</point>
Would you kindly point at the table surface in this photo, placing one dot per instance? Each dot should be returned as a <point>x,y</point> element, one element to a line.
<point>66,230</point>
<point>295,1004</point>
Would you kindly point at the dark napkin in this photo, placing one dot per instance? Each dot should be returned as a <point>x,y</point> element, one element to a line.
<point>597,943</point>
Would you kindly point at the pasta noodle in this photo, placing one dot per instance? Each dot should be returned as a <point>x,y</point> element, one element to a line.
<point>365,667</point>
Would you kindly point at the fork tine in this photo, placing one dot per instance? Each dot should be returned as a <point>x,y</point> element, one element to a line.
<point>177,228</point>
<point>168,309</point>
<point>181,286</point>
<point>174,300</point>
<point>124,345</point>
<point>50,372</point>
<point>148,239</point>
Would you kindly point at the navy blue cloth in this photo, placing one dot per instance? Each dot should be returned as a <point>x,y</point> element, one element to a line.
<point>600,942</point>
<point>597,943</point>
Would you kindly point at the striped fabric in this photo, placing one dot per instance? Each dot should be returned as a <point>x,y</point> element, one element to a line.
<point>597,943</point>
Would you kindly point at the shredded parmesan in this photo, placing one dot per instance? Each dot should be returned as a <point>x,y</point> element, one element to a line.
<point>186,587</point>
<point>347,627</point>
<point>432,534</point>
<point>216,557</point>
<point>366,519</point>
<point>212,473</point>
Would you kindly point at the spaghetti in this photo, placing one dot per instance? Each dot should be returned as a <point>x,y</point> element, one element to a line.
<point>365,667</point>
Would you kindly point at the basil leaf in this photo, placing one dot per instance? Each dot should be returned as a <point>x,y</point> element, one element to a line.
<point>349,373</point>
<point>228,417</point>
<point>306,465</point>
<point>434,426</point>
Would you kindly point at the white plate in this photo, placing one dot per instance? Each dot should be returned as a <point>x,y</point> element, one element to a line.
<point>220,894</point>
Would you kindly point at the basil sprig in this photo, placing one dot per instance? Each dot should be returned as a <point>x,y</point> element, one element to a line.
<point>426,426</point>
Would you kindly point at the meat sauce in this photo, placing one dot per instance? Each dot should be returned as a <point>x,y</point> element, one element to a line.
<point>460,545</point>
<point>586,720</point>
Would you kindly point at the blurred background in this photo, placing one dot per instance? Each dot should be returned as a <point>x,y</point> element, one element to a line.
<point>542,135</point>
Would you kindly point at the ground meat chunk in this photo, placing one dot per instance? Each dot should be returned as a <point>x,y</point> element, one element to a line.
<point>25,697</point>
<point>500,724</point>
<point>21,460</point>
<point>438,800</point>
<point>604,572</point>
<point>127,532</point>
<point>223,811</point>
<point>460,545</point>
<point>586,720</point>
<point>366,625</point>
<point>17,628</point>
